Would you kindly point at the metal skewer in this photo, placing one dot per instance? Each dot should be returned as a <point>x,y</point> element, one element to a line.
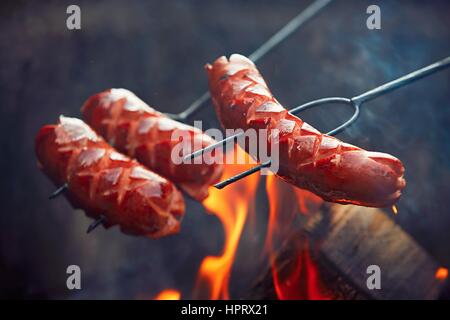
<point>281,35</point>
<point>299,20</point>
<point>354,102</point>
<point>95,224</point>
<point>58,191</point>
<point>304,16</point>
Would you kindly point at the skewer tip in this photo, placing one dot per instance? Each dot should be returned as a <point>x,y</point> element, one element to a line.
<point>58,191</point>
<point>95,224</point>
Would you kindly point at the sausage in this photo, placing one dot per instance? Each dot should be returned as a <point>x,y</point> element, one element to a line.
<point>141,132</point>
<point>106,183</point>
<point>334,170</point>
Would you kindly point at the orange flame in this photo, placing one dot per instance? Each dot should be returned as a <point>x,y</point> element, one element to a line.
<point>168,294</point>
<point>231,206</point>
<point>302,282</point>
<point>307,201</point>
<point>441,274</point>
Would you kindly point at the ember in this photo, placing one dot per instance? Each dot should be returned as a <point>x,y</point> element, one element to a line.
<point>168,294</point>
<point>442,274</point>
<point>394,209</point>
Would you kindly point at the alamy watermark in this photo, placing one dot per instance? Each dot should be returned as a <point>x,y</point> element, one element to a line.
<point>374,20</point>
<point>374,279</point>
<point>73,21</point>
<point>74,279</point>
<point>262,144</point>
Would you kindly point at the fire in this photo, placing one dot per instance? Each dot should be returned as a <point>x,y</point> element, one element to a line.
<point>168,294</point>
<point>307,201</point>
<point>231,206</point>
<point>441,274</point>
<point>302,280</point>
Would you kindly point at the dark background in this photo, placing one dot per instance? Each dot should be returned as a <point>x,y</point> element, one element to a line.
<point>157,49</point>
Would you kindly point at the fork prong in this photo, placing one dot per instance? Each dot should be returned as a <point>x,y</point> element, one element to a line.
<point>213,146</point>
<point>242,175</point>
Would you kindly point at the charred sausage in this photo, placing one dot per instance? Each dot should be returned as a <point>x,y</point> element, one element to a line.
<point>334,170</point>
<point>104,182</point>
<point>141,132</point>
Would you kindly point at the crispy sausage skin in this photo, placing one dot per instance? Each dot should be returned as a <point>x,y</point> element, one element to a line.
<point>141,132</point>
<point>334,170</point>
<point>104,182</point>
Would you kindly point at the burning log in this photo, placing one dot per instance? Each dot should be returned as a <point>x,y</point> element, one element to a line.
<point>336,286</point>
<point>343,241</point>
<point>359,237</point>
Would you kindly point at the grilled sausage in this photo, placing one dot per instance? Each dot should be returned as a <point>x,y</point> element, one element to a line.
<point>141,132</point>
<point>334,170</point>
<point>104,182</point>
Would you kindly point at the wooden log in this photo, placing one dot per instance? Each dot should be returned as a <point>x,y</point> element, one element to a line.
<point>354,238</point>
<point>335,286</point>
<point>351,238</point>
